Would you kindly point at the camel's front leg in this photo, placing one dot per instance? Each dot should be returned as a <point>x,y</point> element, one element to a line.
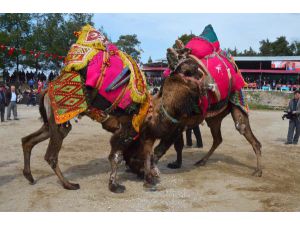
<point>115,159</point>
<point>119,142</point>
<point>151,171</point>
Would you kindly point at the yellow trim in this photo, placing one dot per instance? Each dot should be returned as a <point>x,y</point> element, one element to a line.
<point>97,44</point>
<point>139,118</point>
<point>72,64</point>
<point>136,76</point>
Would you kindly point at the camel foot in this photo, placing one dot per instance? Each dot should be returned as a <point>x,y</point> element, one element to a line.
<point>155,172</point>
<point>117,188</point>
<point>29,177</point>
<point>174,165</point>
<point>201,162</point>
<point>151,187</point>
<point>71,186</point>
<point>257,173</point>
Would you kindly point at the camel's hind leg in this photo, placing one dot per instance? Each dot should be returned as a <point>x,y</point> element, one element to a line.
<point>242,124</point>
<point>57,135</point>
<point>214,124</point>
<point>178,145</point>
<point>28,143</point>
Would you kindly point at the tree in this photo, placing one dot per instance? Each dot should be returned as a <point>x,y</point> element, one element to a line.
<point>266,48</point>
<point>53,33</point>
<point>295,47</point>
<point>281,47</point>
<point>150,60</point>
<point>185,38</point>
<point>249,52</point>
<point>233,52</point>
<point>131,45</point>
<point>16,29</point>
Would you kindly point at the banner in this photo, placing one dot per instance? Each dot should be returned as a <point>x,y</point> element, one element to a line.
<point>36,54</point>
<point>295,66</point>
<point>278,64</point>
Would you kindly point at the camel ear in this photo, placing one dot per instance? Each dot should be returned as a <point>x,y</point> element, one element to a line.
<point>172,57</point>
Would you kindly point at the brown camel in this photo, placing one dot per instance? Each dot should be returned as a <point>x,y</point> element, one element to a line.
<point>117,123</point>
<point>169,124</point>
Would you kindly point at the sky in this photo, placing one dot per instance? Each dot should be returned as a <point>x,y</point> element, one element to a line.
<point>157,32</point>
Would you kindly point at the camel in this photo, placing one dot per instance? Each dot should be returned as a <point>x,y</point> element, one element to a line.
<point>168,125</point>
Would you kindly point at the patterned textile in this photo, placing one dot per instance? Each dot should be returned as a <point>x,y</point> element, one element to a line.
<point>137,83</point>
<point>114,63</point>
<point>105,62</point>
<point>89,43</point>
<point>89,36</point>
<point>222,69</point>
<point>237,98</point>
<point>67,96</point>
<point>78,57</point>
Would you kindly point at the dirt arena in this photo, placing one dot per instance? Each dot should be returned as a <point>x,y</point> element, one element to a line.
<point>224,184</point>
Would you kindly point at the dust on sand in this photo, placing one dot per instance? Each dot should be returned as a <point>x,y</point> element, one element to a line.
<point>224,184</point>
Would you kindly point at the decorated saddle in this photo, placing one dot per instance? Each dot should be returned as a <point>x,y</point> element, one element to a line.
<point>111,73</point>
<point>221,68</point>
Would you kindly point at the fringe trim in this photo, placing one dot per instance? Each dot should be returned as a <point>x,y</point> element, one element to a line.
<point>139,118</point>
<point>137,83</point>
<point>97,43</point>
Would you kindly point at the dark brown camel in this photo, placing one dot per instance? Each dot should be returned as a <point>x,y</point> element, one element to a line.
<point>120,125</point>
<point>169,132</point>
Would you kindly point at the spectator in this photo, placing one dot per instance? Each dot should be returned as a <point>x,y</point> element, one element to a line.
<point>2,102</point>
<point>32,98</point>
<point>294,123</point>
<point>31,83</point>
<point>11,98</point>
<point>40,86</point>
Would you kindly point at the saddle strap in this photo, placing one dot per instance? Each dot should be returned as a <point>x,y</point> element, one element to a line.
<point>117,101</point>
<point>207,73</point>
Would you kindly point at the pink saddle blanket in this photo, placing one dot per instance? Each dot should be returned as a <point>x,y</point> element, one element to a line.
<point>114,68</point>
<point>225,76</point>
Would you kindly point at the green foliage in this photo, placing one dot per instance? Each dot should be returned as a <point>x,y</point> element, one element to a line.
<point>150,60</point>
<point>131,45</point>
<point>53,33</point>
<point>185,38</point>
<point>265,47</point>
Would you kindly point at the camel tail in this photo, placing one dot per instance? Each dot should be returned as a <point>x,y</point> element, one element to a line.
<point>42,108</point>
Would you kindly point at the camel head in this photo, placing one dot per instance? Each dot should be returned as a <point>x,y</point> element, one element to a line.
<point>182,63</point>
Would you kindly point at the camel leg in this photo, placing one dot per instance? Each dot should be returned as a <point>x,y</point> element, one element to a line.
<point>214,124</point>
<point>149,166</point>
<point>119,142</point>
<point>164,144</point>
<point>242,124</point>
<point>57,135</point>
<point>178,145</point>
<point>115,159</point>
<point>28,143</point>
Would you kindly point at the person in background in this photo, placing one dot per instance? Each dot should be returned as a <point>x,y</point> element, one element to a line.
<point>2,102</point>
<point>11,98</point>
<point>294,124</point>
<point>40,86</point>
<point>32,98</point>
<point>31,83</point>
<point>197,134</point>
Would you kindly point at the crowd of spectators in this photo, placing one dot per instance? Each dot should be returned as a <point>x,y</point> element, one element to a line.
<point>22,77</point>
<point>154,81</point>
<point>267,83</point>
<point>28,84</point>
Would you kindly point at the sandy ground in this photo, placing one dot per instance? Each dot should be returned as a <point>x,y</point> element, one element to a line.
<point>224,184</point>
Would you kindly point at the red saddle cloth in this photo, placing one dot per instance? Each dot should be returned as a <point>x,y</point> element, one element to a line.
<point>220,68</point>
